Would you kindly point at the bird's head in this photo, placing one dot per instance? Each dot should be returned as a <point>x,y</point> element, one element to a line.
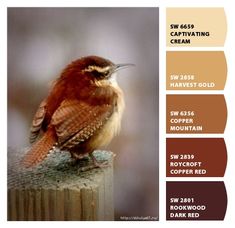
<point>95,69</point>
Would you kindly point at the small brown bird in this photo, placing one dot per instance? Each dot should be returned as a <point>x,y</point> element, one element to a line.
<point>82,112</point>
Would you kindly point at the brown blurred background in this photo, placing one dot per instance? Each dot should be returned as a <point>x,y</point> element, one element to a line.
<point>42,41</point>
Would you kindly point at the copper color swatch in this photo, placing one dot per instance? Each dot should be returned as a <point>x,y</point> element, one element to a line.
<point>196,200</point>
<point>195,70</point>
<point>195,114</point>
<point>195,27</point>
<point>195,157</point>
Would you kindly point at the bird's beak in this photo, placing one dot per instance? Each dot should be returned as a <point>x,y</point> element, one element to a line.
<point>122,66</point>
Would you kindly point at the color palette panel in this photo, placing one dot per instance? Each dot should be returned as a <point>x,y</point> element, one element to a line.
<point>195,113</point>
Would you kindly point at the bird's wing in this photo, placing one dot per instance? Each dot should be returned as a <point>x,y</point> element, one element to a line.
<point>37,121</point>
<point>75,121</point>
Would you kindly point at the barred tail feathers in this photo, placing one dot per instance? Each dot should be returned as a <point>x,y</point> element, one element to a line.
<point>39,150</point>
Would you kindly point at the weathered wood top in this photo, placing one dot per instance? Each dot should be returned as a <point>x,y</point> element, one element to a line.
<point>58,170</point>
<point>58,190</point>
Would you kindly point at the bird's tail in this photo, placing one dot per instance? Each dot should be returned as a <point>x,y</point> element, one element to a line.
<point>39,150</point>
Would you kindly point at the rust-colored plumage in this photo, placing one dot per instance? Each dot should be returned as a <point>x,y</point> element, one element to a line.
<point>82,112</point>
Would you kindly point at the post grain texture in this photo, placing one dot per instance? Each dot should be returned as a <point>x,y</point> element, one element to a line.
<point>57,189</point>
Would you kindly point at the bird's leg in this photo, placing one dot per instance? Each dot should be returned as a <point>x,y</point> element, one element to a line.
<point>95,164</point>
<point>78,160</point>
<point>102,164</point>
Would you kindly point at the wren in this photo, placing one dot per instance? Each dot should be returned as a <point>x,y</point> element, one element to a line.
<point>82,112</point>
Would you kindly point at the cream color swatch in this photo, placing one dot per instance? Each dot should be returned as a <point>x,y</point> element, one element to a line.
<point>195,27</point>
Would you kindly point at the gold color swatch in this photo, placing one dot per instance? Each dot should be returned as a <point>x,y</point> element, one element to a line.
<point>196,70</point>
<point>196,27</point>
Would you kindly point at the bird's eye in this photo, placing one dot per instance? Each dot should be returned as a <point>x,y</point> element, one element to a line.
<point>106,73</point>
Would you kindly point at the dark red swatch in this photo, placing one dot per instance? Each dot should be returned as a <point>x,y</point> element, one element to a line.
<point>195,200</point>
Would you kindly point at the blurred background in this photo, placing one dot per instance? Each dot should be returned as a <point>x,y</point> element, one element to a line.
<point>42,41</point>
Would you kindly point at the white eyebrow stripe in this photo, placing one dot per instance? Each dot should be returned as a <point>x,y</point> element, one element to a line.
<point>97,68</point>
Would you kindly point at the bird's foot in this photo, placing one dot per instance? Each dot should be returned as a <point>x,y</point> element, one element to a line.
<point>95,164</point>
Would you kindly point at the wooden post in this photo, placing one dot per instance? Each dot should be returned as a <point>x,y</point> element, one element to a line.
<point>57,191</point>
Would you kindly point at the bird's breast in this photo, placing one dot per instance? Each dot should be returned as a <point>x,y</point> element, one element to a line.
<point>113,124</point>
